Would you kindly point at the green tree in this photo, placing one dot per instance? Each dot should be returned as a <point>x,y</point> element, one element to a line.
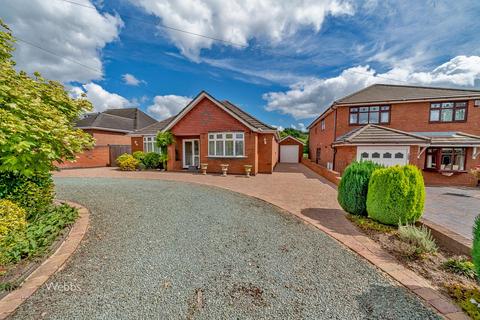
<point>164,139</point>
<point>37,115</point>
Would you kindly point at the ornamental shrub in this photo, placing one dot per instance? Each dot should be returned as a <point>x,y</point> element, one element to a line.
<point>152,160</point>
<point>476,245</point>
<point>12,218</point>
<point>34,193</point>
<point>139,155</point>
<point>352,191</point>
<point>396,195</point>
<point>127,162</point>
<point>419,238</point>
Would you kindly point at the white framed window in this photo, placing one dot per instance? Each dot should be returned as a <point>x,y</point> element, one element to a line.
<point>150,144</point>
<point>322,124</point>
<point>226,144</point>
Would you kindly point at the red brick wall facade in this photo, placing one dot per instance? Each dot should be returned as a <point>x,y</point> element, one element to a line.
<point>207,117</point>
<point>413,117</point>
<point>103,138</point>
<point>97,157</point>
<point>290,141</point>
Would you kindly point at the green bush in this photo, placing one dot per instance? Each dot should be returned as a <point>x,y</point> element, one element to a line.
<point>139,155</point>
<point>353,188</point>
<point>419,238</point>
<point>38,235</point>
<point>476,245</point>
<point>461,266</point>
<point>34,194</point>
<point>12,218</point>
<point>127,162</point>
<point>396,195</point>
<point>152,160</point>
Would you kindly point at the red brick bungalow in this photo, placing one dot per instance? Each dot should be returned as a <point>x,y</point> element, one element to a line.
<point>436,129</point>
<point>110,130</point>
<point>214,132</point>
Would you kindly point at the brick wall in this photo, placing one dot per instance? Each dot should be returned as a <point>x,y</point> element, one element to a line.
<point>267,153</point>
<point>322,139</point>
<point>330,175</point>
<point>97,157</point>
<point>103,138</point>
<point>344,156</point>
<point>290,142</point>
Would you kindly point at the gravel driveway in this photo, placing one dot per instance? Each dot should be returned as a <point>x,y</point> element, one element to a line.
<point>170,250</point>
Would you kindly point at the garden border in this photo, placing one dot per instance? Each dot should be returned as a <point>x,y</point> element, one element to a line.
<point>52,264</point>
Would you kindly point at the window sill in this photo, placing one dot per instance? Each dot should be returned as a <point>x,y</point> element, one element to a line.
<point>446,171</point>
<point>226,157</point>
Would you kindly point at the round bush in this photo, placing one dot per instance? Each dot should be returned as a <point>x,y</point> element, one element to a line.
<point>12,218</point>
<point>396,195</point>
<point>126,162</point>
<point>139,155</point>
<point>152,160</point>
<point>353,187</point>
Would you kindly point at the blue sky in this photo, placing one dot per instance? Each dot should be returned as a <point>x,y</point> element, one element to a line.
<point>289,60</point>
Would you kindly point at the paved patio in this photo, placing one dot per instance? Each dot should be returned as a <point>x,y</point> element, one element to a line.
<point>454,208</point>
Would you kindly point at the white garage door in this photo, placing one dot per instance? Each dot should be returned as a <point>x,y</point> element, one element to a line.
<point>289,154</point>
<point>387,156</point>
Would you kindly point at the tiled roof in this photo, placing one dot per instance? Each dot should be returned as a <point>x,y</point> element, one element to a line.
<point>374,134</point>
<point>154,128</point>
<point>388,92</point>
<point>126,120</point>
<point>254,122</point>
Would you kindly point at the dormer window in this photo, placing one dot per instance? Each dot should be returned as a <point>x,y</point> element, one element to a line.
<point>371,114</point>
<point>448,111</point>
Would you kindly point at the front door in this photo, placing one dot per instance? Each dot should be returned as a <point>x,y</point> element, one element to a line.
<point>191,153</point>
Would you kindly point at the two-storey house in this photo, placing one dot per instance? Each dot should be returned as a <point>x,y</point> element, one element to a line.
<point>436,129</point>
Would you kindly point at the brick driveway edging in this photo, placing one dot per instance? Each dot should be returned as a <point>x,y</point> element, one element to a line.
<point>54,263</point>
<point>299,191</point>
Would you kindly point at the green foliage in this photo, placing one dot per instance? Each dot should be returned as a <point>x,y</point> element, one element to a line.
<point>368,224</point>
<point>164,139</point>
<point>12,218</point>
<point>461,266</point>
<point>139,155</point>
<point>38,236</point>
<point>419,238</point>
<point>476,245</point>
<point>396,195</point>
<point>467,298</point>
<point>34,193</point>
<point>127,162</point>
<point>152,160</point>
<point>353,188</point>
<point>301,135</point>
<point>37,118</point>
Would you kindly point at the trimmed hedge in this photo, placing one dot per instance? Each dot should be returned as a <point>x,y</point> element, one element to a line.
<point>396,195</point>
<point>12,218</point>
<point>476,246</point>
<point>353,187</point>
<point>139,155</point>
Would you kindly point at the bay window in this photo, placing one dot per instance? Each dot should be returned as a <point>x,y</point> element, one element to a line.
<point>445,159</point>
<point>150,144</point>
<point>226,144</point>
<point>372,114</point>
<point>448,111</point>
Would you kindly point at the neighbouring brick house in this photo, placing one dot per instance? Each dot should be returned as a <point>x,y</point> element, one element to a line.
<point>436,129</point>
<point>110,130</point>
<point>214,132</point>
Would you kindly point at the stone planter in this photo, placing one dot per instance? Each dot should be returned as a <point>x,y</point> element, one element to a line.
<point>224,169</point>
<point>248,169</point>
<point>204,167</point>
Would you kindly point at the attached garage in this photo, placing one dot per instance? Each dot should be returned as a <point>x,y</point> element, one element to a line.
<point>291,150</point>
<point>384,155</point>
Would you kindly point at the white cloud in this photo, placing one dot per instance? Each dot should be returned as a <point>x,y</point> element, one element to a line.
<point>131,80</point>
<point>239,21</point>
<point>101,98</point>
<point>168,105</point>
<point>72,32</point>
<point>308,99</point>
